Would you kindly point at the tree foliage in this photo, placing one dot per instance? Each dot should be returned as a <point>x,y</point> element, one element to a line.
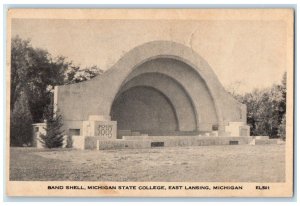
<point>282,129</point>
<point>20,122</point>
<point>266,109</point>
<point>35,72</point>
<point>54,137</point>
<point>75,74</point>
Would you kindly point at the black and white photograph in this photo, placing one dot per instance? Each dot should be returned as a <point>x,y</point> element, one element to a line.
<point>150,102</point>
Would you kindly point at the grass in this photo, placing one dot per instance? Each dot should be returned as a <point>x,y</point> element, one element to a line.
<point>238,163</point>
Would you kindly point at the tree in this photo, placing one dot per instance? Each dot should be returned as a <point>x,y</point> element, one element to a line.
<point>75,74</point>
<point>266,109</point>
<point>54,136</point>
<point>32,71</point>
<point>282,88</point>
<point>263,111</point>
<point>21,122</point>
<point>19,62</point>
<point>35,71</point>
<point>282,108</point>
<point>282,128</point>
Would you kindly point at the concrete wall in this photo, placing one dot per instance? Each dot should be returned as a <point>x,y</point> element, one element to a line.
<point>67,125</point>
<point>95,97</point>
<point>38,130</point>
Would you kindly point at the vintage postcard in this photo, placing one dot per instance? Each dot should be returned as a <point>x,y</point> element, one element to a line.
<point>150,102</point>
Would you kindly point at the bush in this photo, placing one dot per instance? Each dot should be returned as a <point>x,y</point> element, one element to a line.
<point>54,137</point>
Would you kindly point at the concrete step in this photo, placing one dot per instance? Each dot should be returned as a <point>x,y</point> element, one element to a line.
<point>142,142</point>
<point>266,141</point>
<point>261,137</point>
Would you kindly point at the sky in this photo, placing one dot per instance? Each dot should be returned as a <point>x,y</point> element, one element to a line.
<point>243,54</point>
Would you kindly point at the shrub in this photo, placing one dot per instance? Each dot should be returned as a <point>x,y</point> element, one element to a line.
<point>54,136</point>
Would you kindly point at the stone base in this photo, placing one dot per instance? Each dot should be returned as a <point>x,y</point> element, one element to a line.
<point>38,130</point>
<point>142,142</point>
<point>265,141</point>
<point>237,129</point>
<point>103,128</point>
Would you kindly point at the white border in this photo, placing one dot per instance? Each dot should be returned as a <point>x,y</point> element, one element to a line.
<point>136,3</point>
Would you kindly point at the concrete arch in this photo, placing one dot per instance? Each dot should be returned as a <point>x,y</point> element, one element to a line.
<point>171,50</point>
<point>96,96</point>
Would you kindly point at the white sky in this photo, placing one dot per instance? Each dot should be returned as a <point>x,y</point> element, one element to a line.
<point>247,54</point>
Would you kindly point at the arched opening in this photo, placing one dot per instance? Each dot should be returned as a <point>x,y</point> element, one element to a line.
<point>182,85</point>
<point>173,91</point>
<point>154,99</point>
<point>200,102</point>
<point>146,110</point>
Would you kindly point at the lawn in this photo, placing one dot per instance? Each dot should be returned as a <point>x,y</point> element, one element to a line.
<point>226,163</point>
